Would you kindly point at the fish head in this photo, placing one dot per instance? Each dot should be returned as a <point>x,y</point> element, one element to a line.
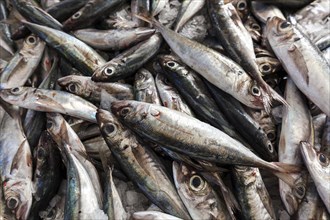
<point>252,93</point>
<point>106,72</point>
<point>18,196</point>
<point>132,111</point>
<point>188,181</point>
<point>278,30</point>
<point>74,84</point>
<point>318,163</point>
<point>32,42</point>
<point>56,126</point>
<point>142,79</point>
<point>75,21</point>
<point>14,95</point>
<point>170,63</point>
<point>163,81</point>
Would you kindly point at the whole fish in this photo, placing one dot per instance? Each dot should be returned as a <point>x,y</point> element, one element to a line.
<point>252,193</point>
<point>239,45</point>
<point>47,176</point>
<point>294,117</point>
<point>126,63</point>
<point>302,60</point>
<point>113,39</point>
<point>141,165</point>
<point>213,66</point>
<point>197,194</point>
<point>86,88</point>
<point>319,168</point>
<point>23,64</point>
<point>90,13</point>
<point>187,10</point>
<point>80,55</point>
<point>182,133</point>
<point>145,89</point>
<point>50,101</point>
<point>170,96</point>
<point>32,12</point>
<point>15,165</point>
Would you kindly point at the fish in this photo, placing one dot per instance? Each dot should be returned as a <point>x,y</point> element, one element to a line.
<point>145,89</point>
<point>302,60</point>
<point>141,165</point>
<point>84,87</point>
<point>23,64</point>
<point>50,101</point>
<point>79,54</point>
<point>264,11</point>
<point>47,175</point>
<point>182,133</point>
<point>252,193</point>
<point>157,6</point>
<point>129,61</point>
<point>197,194</point>
<point>113,39</point>
<point>294,117</point>
<point>16,165</point>
<point>89,14</point>
<point>318,167</point>
<point>32,12</point>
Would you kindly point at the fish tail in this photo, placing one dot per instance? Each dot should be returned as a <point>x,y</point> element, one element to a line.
<point>286,168</point>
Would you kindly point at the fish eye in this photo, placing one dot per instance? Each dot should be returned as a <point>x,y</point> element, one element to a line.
<point>49,124</point>
<point>171,64</point>
<point>284,25</point>
<point>255,91</point>
<point>270,147</point>
<point>265,68</point>
<point>241,5</point>
<point>125,111</point>
<point>323,159</point>
<point>72,88</point>
<point>76,15</point>
<point>140,76</point>
<point>196,183</point>
<point>41,154</point>
<point>109,129</point>
<point>271,136</point>
<point>300,191</point>
<point>16,90</point>
<point>31,40</point>
<point>256,27</point>
<point>12,203</point>
<point>108,71</point>
<point>166,81</point>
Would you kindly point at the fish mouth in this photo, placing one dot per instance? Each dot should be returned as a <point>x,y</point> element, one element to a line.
<point>307,151</point>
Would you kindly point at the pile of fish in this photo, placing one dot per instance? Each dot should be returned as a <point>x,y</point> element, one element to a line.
<point>213,109</point>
